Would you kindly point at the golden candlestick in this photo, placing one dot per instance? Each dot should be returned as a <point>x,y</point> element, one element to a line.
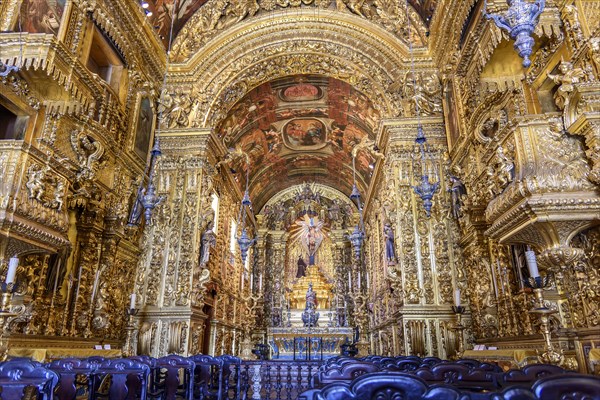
<point>5,316</point>
<point>549,355</point>
<point>128,349</point>
<point>459,329</point>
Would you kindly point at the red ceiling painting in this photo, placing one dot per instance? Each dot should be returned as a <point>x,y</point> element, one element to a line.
<point>301,128</point>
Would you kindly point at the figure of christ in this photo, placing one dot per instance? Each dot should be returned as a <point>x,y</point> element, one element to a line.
<point>311,236</point>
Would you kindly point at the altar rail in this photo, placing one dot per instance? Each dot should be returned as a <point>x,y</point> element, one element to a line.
<point>277,379</point>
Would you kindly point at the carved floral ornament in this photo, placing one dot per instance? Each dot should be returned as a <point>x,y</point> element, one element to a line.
<point>219,15</point>
<point>348,49</point>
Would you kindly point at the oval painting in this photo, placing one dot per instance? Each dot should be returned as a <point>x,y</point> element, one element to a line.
<point>305,134</point>
<point>301,92</point>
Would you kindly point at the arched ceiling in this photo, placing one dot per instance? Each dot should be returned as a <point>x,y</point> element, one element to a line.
<point>297,129</point>
<point>202,18</point>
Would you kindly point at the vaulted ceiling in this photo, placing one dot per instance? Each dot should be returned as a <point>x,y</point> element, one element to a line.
<point>162,10</point>
<point>299,129</point>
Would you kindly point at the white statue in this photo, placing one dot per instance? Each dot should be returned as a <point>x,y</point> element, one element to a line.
<point>209,239</point>
<point>311,236</point>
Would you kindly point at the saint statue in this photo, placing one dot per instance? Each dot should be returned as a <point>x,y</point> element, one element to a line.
<point>390,253</point>
<point>457,190</point>
<point>301,268</point>
<point>311,298</point>
<point>209,239</point>
<point>311,236</point>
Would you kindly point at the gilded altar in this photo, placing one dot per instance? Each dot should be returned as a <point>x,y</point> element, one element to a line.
<point>297,296</point>
<point>308,343</point>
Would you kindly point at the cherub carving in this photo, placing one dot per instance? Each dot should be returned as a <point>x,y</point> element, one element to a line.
<point>353,5</point>
<point>234,156</point>
<point>500,173</point>
<point>505,167</point>
<point>59,195</point>
<point>35,183</point>
<point>369,146</point>
<point>566,79</point>
<point>89,152</point>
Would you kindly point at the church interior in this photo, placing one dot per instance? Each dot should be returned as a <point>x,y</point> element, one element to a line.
<point>296,180</point>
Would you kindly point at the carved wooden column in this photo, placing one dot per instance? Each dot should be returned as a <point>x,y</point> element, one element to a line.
<point>274,279</point>
<point>425,274</point>
<point>170,284</point>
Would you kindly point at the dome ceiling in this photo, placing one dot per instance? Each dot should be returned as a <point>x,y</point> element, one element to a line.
<point>298,129</point>
<point>220,14</point>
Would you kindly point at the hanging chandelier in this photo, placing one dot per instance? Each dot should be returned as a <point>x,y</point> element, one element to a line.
<point>425,189</point>
<point>357,237</point>
<point>519,21</point>
<point>245,241</point>
<point>147,198</point>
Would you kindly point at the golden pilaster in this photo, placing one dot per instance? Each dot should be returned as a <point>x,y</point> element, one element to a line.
<point>459,329</point>
<point>5,315</point>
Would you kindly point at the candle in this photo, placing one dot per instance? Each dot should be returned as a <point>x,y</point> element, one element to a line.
<point>359,279</point>
<point>13,263</point>
<point>349,279</point>
<point>251,281</point>
<point>457,297</point>
<point>242,281</point>
<point>132,301</point>
<point>531,263</point>
<point>368,282</point>
<point>494,280</point>
<point>260,282</point>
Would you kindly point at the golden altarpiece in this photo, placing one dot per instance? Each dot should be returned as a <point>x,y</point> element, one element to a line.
<point>303,99</point>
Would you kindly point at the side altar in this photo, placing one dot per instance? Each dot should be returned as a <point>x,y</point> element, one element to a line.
<point>310,331</point>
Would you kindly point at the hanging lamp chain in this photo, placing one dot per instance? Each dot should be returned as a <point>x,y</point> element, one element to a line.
<point>147,197</point>
<point>425,189</point>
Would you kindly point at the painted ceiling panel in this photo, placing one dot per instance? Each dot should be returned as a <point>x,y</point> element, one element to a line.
<point>297,129</point>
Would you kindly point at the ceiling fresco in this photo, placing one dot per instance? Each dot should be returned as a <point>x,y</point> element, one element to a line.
<point>297,129</point>
<point>162,12</point>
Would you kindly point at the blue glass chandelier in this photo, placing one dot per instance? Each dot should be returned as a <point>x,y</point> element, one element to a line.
<point>357,237</point>
<point>149,199</point>
<point>519,21</point>
<point>245,241</point>
<point>425,189</point>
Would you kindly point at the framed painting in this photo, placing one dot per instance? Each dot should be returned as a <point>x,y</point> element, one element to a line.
<point>451,115</point>
<point>305,134</point>
<point>144,127</point>
<point>41,16</point>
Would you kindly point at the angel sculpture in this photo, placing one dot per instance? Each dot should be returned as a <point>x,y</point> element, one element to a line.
<point>566,79</point>
<point>89,152</point>
<point>233,156</point>
<point>369,146</point>
<point>311,236</point>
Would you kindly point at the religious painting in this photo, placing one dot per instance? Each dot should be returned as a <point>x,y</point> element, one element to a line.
<point>301,92</point>
<point>451,114</point>
<point>307,133</point>
<point>143,130</point>
<point>162,14</point>
<point>41,16</point>
<point>305,124</point>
